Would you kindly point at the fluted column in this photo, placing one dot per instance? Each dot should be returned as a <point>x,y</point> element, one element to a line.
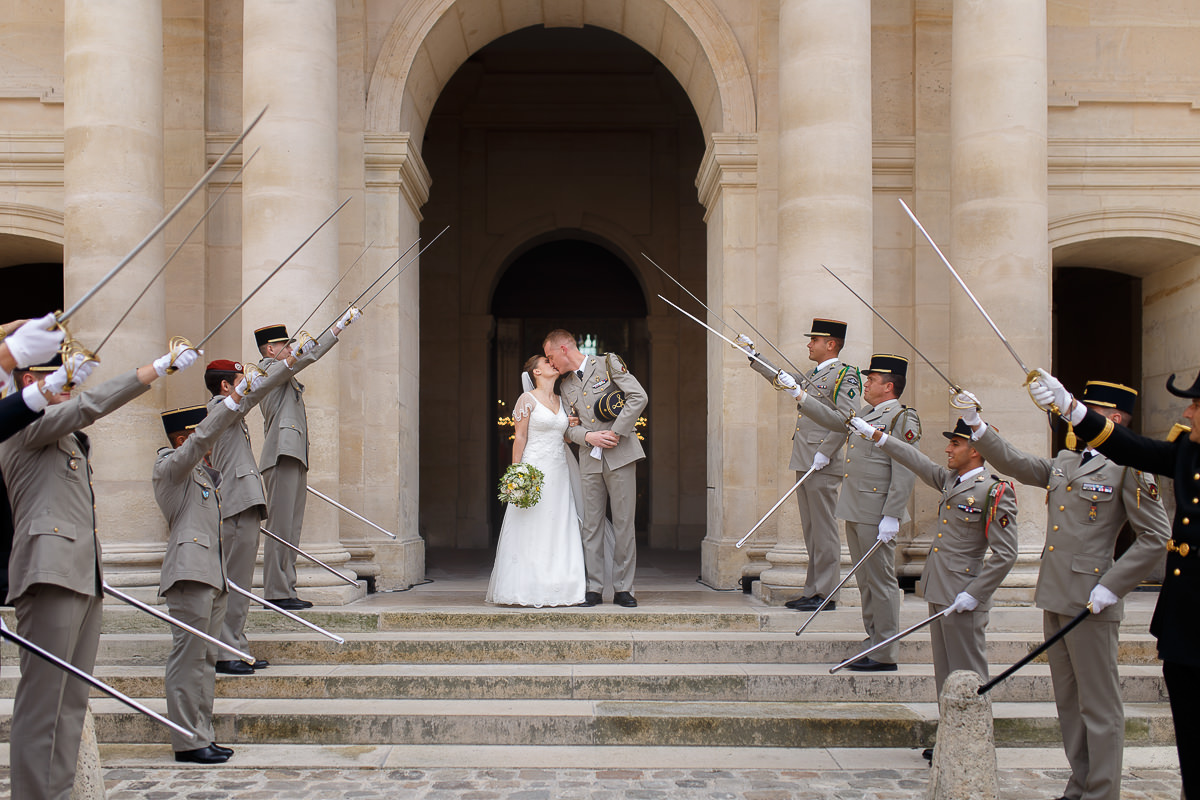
<point>998,219</point>
<point>113,197</point>
<point>289,55</point>
<point>825,211</point>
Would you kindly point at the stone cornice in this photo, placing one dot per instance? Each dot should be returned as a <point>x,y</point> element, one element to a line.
<point>730,161</point>
<point>32,159</point>
<point>392,161</point>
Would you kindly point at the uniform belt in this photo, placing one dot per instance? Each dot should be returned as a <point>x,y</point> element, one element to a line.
<point>1182,548</point>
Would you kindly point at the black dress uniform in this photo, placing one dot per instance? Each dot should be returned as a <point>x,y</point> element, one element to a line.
<point>1176,621</point>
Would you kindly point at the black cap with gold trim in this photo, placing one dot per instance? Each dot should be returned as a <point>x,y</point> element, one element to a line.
<point>270,334</point>
<point>1109,395</point>
<point>882,362</point>
<point>183,419</point>
<point>961,429</point>
<point>833,328</point>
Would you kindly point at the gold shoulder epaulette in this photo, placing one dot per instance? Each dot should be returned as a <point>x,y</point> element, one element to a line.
<point>1177,430</point>
<point>620,361</point>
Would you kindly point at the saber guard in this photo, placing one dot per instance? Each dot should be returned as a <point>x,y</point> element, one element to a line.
<point>176,347</point>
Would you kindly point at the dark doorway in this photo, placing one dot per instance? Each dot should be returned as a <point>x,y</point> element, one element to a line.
<point>31,290</point>
<point>598,298</point>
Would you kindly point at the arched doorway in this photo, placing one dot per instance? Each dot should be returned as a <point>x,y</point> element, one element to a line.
<point>613,321</point>
<point>32,271</point>
<point>558,156</point>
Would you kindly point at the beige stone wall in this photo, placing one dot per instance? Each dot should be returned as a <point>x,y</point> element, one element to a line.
<point>1121,92</point>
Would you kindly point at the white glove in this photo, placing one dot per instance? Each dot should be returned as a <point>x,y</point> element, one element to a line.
<point>182,361</point>
<point>964,399</point>
<point>242,388</point>
<point>34,342</point>
<point>744,343</point>
<point>970,415</point>
<point>35,401</point>
<point>964,602</point>
<point>820,462</point>
<point>81,368</point>
<point>1101,598</point>
<point>888,528</point>
<point>256,383</point>
<point>1048,390</point>
<point>863,428</point>
<point>352,314</point>
<point>307,347</point>
<point>790,386</point>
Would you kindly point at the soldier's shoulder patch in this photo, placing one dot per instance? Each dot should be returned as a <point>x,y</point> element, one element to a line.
<point>851,393</point>
<point>620,365</point>
<point>1004,521</point>
<point>1147,482</point>
<point>909,435</point>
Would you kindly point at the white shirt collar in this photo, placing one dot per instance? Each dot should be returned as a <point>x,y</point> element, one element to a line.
<point>969,475</point>
<point>826,363</point>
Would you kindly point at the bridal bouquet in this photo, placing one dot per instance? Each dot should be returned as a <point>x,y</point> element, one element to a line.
<point>521,485</point>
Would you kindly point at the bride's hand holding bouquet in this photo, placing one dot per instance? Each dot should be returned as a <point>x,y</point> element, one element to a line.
<point>521,485</point>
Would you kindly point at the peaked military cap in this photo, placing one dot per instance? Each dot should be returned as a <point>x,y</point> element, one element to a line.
<point>833,328</point>
<point>1191,393</point>
<point>961,429</point>
<point>881,362</point>
<point>1109,395</point>
<point>270,334</point>
<point>183,419</point>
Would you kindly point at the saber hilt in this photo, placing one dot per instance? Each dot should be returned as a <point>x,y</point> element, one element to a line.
<point>91,680</point>
<point>810,386</point>
<point>1037,651</point>
<point>165,617</point>
<point>825,602</point>
<point>309,556</point>
<point>233,587</point>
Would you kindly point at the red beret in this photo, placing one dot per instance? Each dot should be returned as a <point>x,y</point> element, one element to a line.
<point>223,365</point>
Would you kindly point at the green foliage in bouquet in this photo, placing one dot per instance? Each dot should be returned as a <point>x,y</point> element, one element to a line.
<point>521,485</point>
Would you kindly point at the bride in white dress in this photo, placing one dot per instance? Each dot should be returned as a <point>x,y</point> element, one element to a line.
<point>539,558</point>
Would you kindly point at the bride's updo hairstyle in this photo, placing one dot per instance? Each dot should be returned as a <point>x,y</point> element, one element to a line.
<point>530,366</point>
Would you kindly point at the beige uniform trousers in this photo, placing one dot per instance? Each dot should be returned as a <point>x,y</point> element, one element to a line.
<point>817,498</point>
<point>958,643</point>
<point>192,663</point>
<point>876,580</point>
<point>618,487</point>
<point>1087,691</point>
<point>239,545</point>
<point>50,704</point>
<point>287,490</point>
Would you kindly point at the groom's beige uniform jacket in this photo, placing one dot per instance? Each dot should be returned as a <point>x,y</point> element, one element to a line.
<point>582,395</point>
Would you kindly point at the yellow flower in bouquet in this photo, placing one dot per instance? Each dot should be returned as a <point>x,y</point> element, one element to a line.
<point>521,485</point>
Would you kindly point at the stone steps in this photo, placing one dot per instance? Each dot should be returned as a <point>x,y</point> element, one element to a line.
<point>665,682</point>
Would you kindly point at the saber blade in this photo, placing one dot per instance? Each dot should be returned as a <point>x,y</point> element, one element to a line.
<point>268,604</point>
<point>716,333</point>
<point>1043,647</point>
<point>351,512</point>
<point>309,556</point>
<point>963,284</point>
<point>886,642</point>
<point>167,618</point>
<point>825,602</point>
<point>789,493</point>
<point>91,680</point>
<point>763,336</point>
<point>385,272</point>
<point>406,266</point>
<point>205,178</point>
<point>689,294</point>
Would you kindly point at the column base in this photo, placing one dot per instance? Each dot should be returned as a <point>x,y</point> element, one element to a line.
<point>721,565</point>
<point>401,563</point>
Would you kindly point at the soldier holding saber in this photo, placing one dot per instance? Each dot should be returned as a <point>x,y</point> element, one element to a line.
<point>874,496</point>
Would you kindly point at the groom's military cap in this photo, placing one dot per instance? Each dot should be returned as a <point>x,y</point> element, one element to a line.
<point>270,334</point>
<point>882,362</point>
<point>833,328</point>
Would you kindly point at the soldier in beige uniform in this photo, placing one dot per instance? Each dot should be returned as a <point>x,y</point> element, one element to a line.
<point>839,386</point>
<point>54,572</point>
<point>874,497</point>
<point>978,513</point>
<point>284,458</point>
<point>193,576</point>
<point>1089,500</point>
<point>608,455</point>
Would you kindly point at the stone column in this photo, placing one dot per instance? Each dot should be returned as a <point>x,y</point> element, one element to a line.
<point>113,197</point>
<point>289,56</point>
<point>998,238</point>
<point>727,184</point>
<point>825,206</point>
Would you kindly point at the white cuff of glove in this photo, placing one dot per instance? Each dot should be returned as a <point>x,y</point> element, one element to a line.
<point>888,528</point>
<point>1101,598</point>
<point>970,416</point>
<point>242,388</point>
<point>976,435</point>
<point>230,403</point>
<point>161,363</point>
<point>1078,414</point>
<point>883,437</point>
<point>798,393</point>
<point>35,401</point>
<point>35,341</point>
<point>820,462</point>
<point>963,602</point>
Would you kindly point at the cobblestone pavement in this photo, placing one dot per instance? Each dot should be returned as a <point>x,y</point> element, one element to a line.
<point>593,784</point>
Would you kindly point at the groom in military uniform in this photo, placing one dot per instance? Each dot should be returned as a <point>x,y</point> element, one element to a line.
<point>608,454</point>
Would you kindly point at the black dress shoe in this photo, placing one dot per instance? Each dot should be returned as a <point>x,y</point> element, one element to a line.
<point>793,603</point>
<point>590,599</point>
<point>234,668</point>
<point>927,754</point>
<point>291,603</point>
<point>260,663</point>
<point>625,599</point>
<point>813,603</point>
<point>867,664</point>
<point>226,750</point>
<point>204,755</point>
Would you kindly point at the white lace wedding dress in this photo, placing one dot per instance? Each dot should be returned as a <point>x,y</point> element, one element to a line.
<point>539,558</point>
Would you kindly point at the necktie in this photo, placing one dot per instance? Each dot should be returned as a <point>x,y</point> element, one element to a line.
<point>1087,456</point>
<point>579,373</point>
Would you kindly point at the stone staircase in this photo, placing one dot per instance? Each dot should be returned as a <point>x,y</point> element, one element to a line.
<point>688,669</point>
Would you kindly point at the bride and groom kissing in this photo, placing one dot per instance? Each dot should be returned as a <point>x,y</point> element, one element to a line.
<point>554,553</point>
